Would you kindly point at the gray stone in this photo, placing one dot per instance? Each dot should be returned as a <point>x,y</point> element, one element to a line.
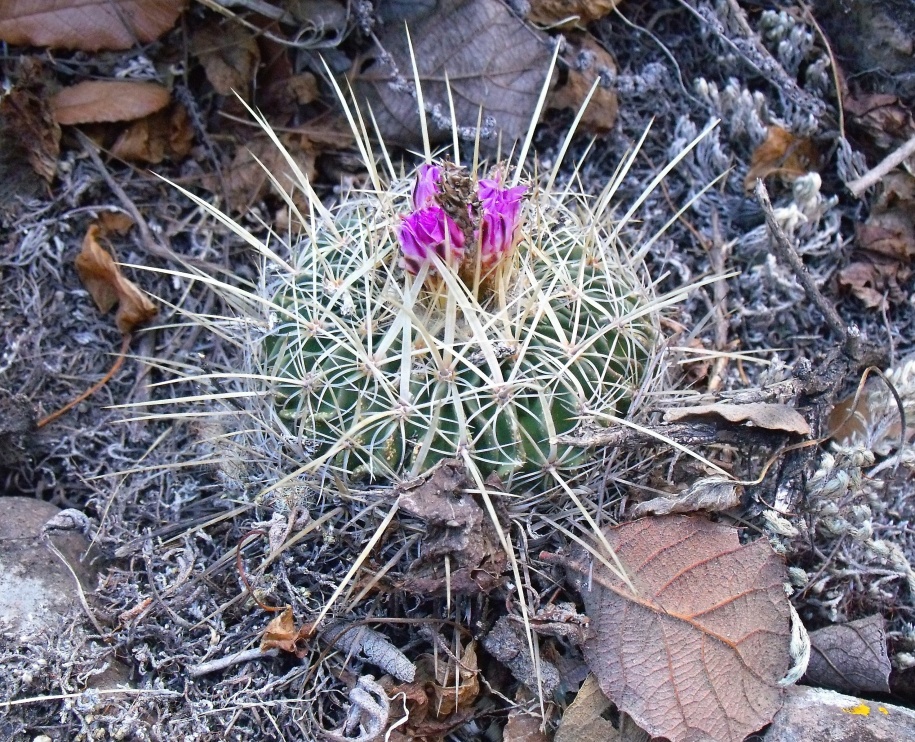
<point>810,714</point>
<point>36,589</point>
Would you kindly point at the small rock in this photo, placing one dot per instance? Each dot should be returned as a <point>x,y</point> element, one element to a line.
<point>818,714</point>
<point>35,588</point>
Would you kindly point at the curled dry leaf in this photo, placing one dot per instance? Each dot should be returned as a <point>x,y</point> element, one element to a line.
<point>492,59</point>
<point>583,720</point>
<point>507,643</point>
<point>784,155</point>
<point>696,652</point>
<point>165,134</point>
<point>885,246</point>
<point>29,139</point>
<point>580,12</point>
<point>89,25</point>
<point>282,633</point>
<point>711,494</point>
<point>758,414</point>
<point>94,101</point>
<point>452,686</point>
<point>850,657</point>
<point>457,530</point>
<point>229,55</point>
<point>591,61</point>
<point>106,284</point>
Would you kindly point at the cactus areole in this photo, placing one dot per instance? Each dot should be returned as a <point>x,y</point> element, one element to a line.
<point>450,315</point>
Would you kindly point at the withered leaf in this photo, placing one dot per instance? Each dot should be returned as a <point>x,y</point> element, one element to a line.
<point>94,101</point>
<point>89,25</point>
<point>698,650</point>
<point>453,687</point>
<point>782,154</point>
<point>850,657</point>
<point>166,133</point>
<point>229,55</point>
<point>759,414</point>
<point>106,284</point>
<point>281,633</point>
<point>712,494</point>
<point>492,59</point>
<point>549,12</point>
<point>457,529</point>
<point>600,115</point>
<point>583,720</point>
<point>523,727</point>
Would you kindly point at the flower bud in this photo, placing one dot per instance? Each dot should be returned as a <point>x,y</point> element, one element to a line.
<point>423,233</point>
<point>500,220</point>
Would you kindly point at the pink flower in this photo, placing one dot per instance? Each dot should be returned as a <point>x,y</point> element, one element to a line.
<point>425,189</point>
<point>423,233</point>
<point>500,220</point>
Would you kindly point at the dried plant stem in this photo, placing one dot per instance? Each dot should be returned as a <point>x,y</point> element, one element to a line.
<point>892,160</point>
<point>850,335</point>
<point>119,361</point>
<point>247,655</point>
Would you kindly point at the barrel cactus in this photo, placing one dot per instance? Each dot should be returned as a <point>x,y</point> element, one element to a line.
<point>450,314</point>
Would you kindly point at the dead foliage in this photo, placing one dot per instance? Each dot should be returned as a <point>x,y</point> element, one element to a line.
<point>108,287</point>
<point>782,155</point>
<point>458,531</point>
<point>94,101</point>
<point>89,25</point>
<point>697,643</point>
<point>850,657</point>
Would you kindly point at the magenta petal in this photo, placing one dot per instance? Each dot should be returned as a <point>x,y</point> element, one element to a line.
<point>427,178</point>
<point>422,233</point>
<point>500,220</point>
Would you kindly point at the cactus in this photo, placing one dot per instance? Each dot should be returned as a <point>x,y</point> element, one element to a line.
<point>404,338</point>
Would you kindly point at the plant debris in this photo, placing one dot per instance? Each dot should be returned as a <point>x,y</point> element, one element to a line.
<point>700,644</point>
<point>850,657</point>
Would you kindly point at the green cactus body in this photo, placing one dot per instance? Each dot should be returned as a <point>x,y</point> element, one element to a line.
<point>386,373</point>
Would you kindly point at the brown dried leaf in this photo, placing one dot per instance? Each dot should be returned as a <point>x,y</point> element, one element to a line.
<point>108,100</point>
<point>164,134</point>
<point>492,59</point>
<point>600,115</point>
<point>103,280</point>
<point>550,12</point>
<point>27,123</point>
<point>583,720</point>
<point>850,657</point>
<point>882,117</point>
<point>885,246</point>
<point>453,687</point>
<point>457,529</point>
<point>784,155</point>
<point>281,633</point>
<point>759,414</point>
<point>523,727</point>
<point>699,649</point>
<point>246,180</point>
<point>229,55</point>
<point>89,25</point>
<point>712,494</point>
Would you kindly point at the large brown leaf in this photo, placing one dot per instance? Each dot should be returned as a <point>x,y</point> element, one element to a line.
<point>492,59</point>
<point>89,25</point>
<point>698,651</point>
